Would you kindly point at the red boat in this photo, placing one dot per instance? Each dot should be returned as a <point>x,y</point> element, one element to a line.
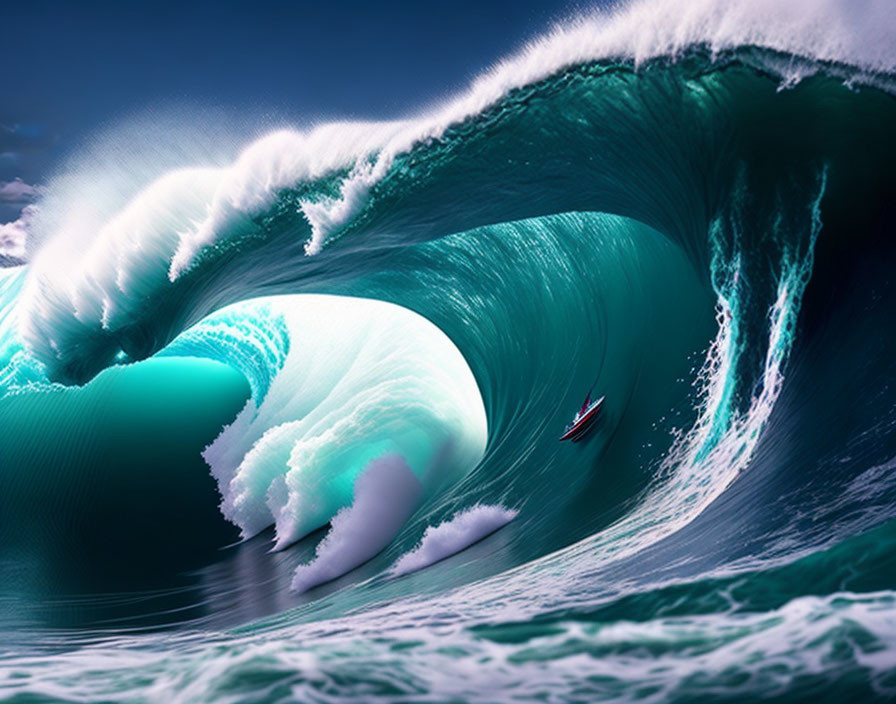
<point>584,419</point>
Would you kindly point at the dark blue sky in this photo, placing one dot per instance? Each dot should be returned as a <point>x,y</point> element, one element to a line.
<point>72,67</point>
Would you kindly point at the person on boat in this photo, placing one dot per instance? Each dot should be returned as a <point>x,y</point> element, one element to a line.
<point>583,420</point>
<point>585,405</point>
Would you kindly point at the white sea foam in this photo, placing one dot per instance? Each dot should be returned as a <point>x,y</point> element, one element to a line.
<point>805,644</point>
<point>459,532</point>
<point>385,495</point>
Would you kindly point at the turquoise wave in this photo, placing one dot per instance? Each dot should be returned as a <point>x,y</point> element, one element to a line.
<point>373,336</point>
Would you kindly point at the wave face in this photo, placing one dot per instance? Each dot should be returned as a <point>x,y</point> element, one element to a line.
<point>371,336</point>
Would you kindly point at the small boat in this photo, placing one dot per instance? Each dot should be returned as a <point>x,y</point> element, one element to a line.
<point>584,420</point>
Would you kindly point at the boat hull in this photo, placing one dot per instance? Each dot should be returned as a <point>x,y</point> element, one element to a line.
<point>580,428</point>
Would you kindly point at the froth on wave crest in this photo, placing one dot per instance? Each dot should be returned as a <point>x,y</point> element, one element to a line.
<point>385,495</point>
<point>450,537</point>
<point>102,272</point>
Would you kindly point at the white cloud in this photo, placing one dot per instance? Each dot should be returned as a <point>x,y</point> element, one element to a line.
<point>17,191</point>
<point>14,235</point>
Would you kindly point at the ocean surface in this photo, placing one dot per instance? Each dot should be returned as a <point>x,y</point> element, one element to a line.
<point>281,423</point>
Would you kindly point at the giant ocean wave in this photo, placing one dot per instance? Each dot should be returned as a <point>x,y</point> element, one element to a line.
<point>382,329</point>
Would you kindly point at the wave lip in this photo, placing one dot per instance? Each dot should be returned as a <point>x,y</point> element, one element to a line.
<point>92,278</point>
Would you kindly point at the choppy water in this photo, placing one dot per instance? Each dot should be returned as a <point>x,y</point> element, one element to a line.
<point>361,343</point>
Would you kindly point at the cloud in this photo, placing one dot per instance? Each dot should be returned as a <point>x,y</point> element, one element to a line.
<point>14,235</point>
<point>17,191</point>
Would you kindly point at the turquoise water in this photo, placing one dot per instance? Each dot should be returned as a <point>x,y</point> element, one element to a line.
<point>121,484</point>
<point>287,428</point>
